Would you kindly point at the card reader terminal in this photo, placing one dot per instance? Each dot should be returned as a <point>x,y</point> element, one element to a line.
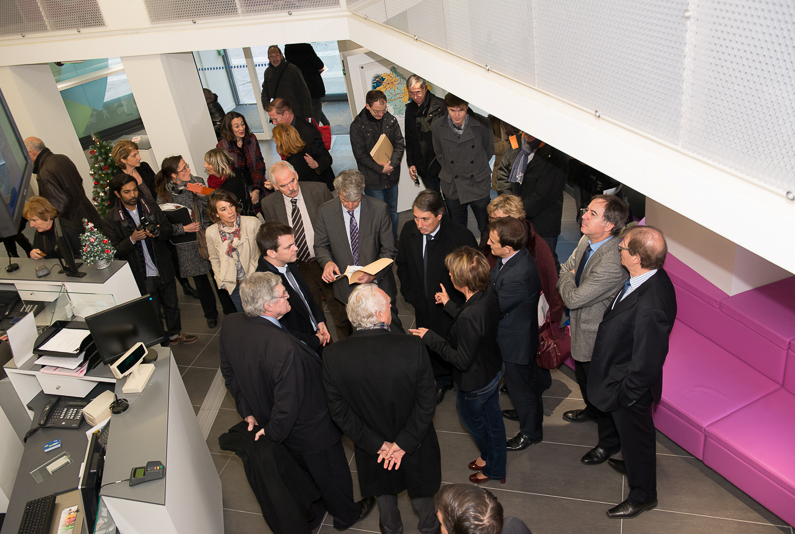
<point>141,474</point>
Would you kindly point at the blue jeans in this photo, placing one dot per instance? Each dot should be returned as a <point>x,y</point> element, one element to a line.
<point>235,296</point>
<point>390,197</point>
<point>479,411</point>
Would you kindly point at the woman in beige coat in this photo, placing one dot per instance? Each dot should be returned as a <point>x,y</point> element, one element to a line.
<point>231,243</point>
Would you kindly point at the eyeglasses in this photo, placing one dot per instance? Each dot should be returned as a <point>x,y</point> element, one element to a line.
<point>183,169</point>
<point>285,295</point>
<point>622,248</point>
<point>377,112</point>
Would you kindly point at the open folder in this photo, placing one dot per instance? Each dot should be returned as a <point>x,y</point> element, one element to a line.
<point>354,272</point>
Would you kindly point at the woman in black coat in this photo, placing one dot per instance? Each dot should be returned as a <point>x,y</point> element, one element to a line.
<point>310,166</point>
<point>472,349</point>
<point>127,157</point>
<point>41,215</point>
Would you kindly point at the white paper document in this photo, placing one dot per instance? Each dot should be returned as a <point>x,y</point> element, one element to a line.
<point>21,337</point>
<point>66,341</point>
<point>62,362</point>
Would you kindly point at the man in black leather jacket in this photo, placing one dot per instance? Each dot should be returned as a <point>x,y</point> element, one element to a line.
<point>421,112</point>
<point>139,232</point>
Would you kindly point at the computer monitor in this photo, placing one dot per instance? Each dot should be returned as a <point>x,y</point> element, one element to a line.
<point>91,478</point>
<point>117,329</point>
<point>16,169</point>
<point>65,254</point>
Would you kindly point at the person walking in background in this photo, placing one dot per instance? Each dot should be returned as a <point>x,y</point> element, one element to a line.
<point>303,56</point>
<point>284,80</point>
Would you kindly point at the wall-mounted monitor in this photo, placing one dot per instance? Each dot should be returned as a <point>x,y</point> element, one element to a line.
<point>16,169</point>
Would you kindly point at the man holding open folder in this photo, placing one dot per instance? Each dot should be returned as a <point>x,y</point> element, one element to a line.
<point>355,230</point>
<point>378,146</point>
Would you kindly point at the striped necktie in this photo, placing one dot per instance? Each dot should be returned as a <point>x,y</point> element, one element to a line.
<point>354,238</point>
<point>299,233</point>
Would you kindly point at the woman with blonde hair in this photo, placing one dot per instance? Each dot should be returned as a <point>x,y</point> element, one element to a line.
<point>311,163</point>
<point>127,158</point>
<point>221,175</point>
<point>471,347</point>
<point>42,215</point>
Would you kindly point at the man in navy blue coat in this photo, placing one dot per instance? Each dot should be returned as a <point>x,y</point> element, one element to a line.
<point>518,286</point>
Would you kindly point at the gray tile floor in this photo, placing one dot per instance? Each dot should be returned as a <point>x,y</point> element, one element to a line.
<point>547,486</point>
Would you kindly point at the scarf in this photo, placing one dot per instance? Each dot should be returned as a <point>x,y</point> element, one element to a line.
<point>175,188</point>
<point>458,129</point>
<point>523,160</point>
<point>232,236</point>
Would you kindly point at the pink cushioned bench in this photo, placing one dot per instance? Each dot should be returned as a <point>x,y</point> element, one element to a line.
<point>729,384</point>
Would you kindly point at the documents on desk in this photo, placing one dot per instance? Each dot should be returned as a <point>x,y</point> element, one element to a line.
<point>66,340</point>
<point>62,362</point>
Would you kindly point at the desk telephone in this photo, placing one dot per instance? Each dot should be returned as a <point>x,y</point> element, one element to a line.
<point>62,413</point>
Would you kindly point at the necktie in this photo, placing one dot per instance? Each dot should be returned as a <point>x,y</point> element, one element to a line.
<point>299,234</point>
<point>354,238</point>
<point>622,293</point>
<point>294,284</point>
<point>500,263</point>
<point>428,240</point>
<point>586,255</point>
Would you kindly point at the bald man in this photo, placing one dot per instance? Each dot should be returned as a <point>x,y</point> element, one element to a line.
<point>625,376</point>
<point>60,183</point>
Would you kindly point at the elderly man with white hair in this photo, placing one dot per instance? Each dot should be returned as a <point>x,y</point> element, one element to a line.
<point>381,393</point>
<point>277,385</point>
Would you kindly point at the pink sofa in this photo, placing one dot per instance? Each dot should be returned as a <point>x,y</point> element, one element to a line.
<point>729,384</point>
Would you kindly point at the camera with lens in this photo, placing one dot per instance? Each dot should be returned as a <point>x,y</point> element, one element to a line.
<point>148,226</point>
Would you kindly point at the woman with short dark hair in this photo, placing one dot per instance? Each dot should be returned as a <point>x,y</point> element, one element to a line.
<point>472,349</point>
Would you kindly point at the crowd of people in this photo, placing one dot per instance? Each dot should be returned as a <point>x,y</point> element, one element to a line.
<point>281,242</point>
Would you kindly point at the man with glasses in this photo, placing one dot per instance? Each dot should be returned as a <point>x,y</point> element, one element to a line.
<point>284,80</point>
<point>277,384</point>
<point>355,230</point>
<point>381,180</point>
<point>627,365</point>
<point>424,109</point>
<point>588,283</point>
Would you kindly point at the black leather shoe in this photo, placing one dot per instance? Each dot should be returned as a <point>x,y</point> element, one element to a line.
<point>510,414</point>
<point>578,416</point>
<point>617,465</point>
<point>628,509</point>
<point>520,442</point>
<point>598,455</point>
<point>212,322</point>
<point>367,506</point>
<point>191,291</point>
<point>440,392</point>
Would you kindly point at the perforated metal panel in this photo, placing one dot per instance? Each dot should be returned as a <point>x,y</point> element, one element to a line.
<point>71,14</point>
<point>374,10</point>
<point>173,10</point>
<point>269,6</point>
<point>624,58</point>
<point>21,17</point>
<point>741,110</point>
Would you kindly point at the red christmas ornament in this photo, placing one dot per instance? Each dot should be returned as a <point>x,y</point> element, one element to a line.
<point>91,240</point>
<point>96,183</point>
<point>107,251</point>
<point>92,152</point>
<point>104,167</point>
<point>104,241</point>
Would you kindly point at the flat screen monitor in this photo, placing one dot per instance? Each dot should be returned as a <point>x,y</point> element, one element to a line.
<point>91,478</point>
<point>117,329</point>
<point>16,168</point>
<point>65,254</point>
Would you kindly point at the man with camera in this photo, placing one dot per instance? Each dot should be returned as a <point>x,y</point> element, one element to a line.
<point>139,231</point>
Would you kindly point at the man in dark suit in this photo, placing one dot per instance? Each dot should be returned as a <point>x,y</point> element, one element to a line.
<point>355,230</point>
<point>305,320</point>
<point>625,377</point>
<point>518,286</point>
<point>380,392</point>
<point>278,386</point>
<point>296,204</point>
<point>424,243</point>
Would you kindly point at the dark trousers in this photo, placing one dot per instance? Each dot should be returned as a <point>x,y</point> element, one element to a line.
<point>332,476</point>
<point>553,244</point>
<point>608,437</point>
<point>12,241</point>
<point>172,250</point>
<point>321,291</point>
<point>317,111</point>
<point>206,296</point>
<point>432,182</point>
<point>524,387</point>
<point>635,427</point>
<point>165,294</point>
<point>424,508</point>
<point>458,211</point>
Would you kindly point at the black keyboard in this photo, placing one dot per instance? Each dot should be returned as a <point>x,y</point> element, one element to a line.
<point>37,515</point>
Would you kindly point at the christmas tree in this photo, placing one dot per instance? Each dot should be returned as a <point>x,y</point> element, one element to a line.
<point>102,170</point>
<point>96,246</point>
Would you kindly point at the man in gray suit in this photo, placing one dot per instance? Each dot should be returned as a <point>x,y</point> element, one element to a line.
<point>589,281</point>
<point>355,230</point>
<point>296,204</point>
